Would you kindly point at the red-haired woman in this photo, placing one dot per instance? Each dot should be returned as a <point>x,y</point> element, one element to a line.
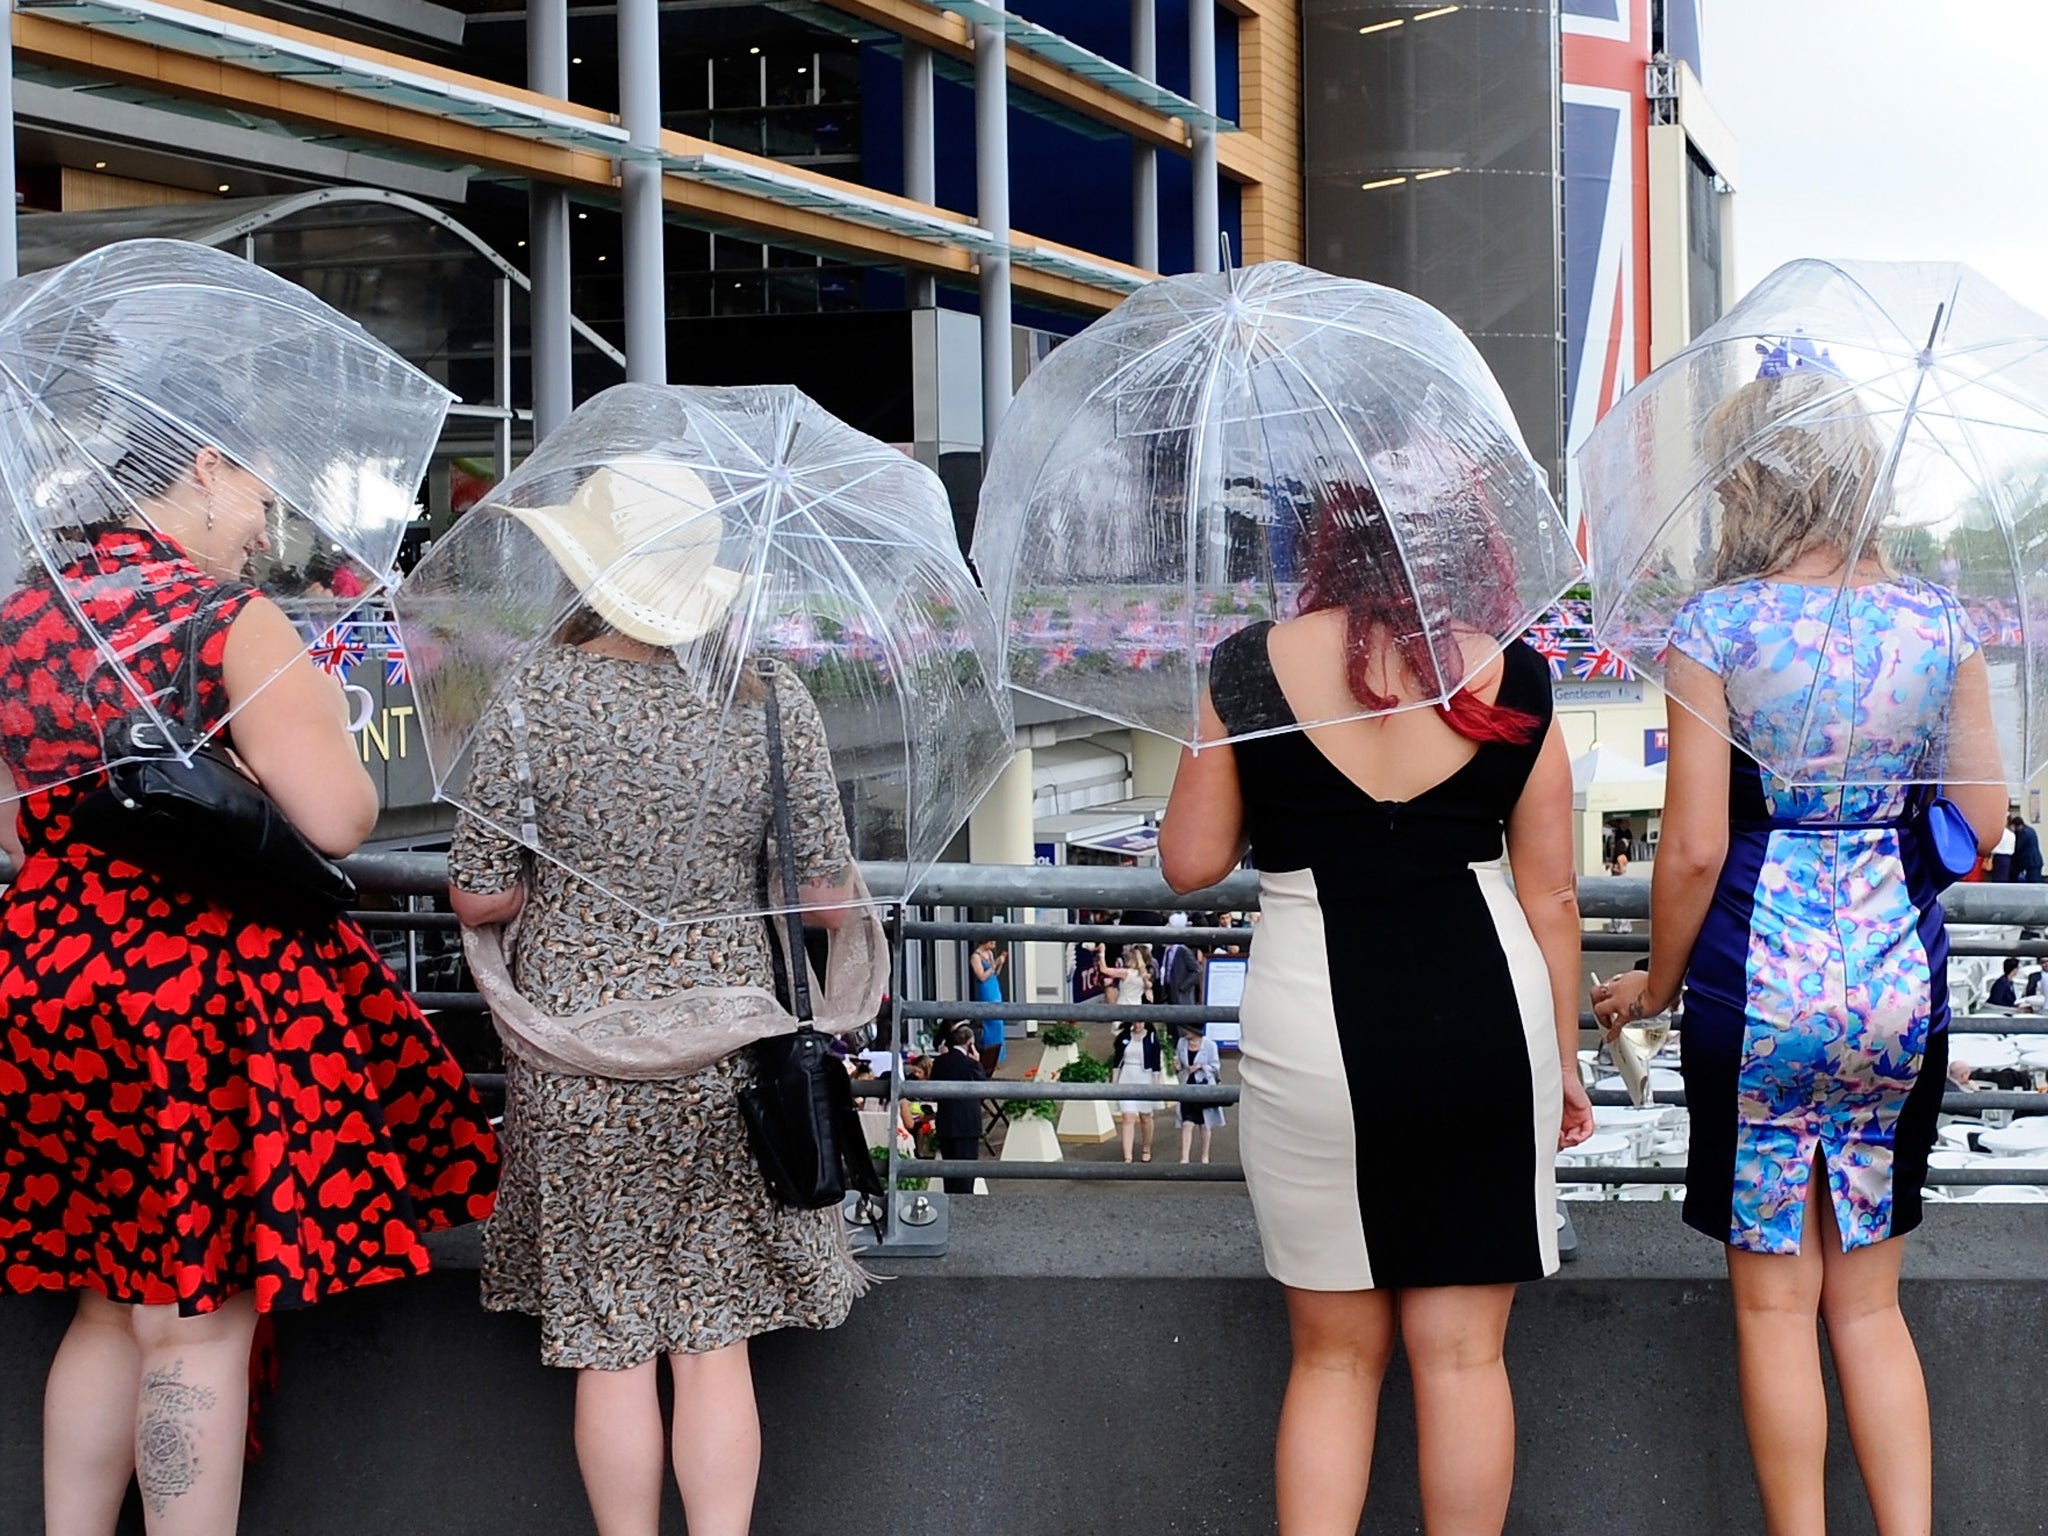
<point>1379,841</point>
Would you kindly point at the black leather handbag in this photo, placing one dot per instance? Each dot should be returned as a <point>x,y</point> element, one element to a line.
<point>180,808</point>
<point>800,1115</point>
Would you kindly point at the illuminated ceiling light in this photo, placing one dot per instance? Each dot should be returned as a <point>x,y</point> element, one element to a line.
<point>222,187</point>
<point>99,165</point>
<point>600,258</point>
<point>575,61</point>
<point>582,215</point>
<point>1450,170</point>
<point>1383,26</point>
<point>803,69</point>
<point>1442,10</point>
<point>753,50</point>
<point>1384,181</point>
<point>522,245</point>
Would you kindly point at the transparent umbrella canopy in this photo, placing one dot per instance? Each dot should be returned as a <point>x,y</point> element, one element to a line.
<point>119,370</point>
<point>1897,410</point>
<point>1185,465</point>
<point>756,527</point>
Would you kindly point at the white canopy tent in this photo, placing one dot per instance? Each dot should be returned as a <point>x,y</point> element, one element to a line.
<point>1605,781</point>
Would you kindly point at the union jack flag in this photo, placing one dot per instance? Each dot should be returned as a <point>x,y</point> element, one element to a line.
<point>1601,662</point>
<point>397,665</point>
<point>1546,644</point>
<point>339,648</point>
<point>1607,48</point>
<point>1061,653</point>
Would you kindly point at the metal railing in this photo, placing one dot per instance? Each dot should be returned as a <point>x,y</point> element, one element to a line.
<point>931,917</point>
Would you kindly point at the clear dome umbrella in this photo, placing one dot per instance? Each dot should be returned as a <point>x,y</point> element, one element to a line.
<point>122,370</point>
<point>1898,410</point>
<point>1185,465</point>
<point>745,526</point>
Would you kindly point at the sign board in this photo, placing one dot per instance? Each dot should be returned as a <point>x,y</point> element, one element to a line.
<point>1656,746</point>
<point>1570,693</point>
<point>1223,987</point>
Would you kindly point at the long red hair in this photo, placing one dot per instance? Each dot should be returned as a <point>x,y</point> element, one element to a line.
<point>1354,564</point>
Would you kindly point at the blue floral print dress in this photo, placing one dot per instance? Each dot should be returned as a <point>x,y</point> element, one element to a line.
<point>1816,1003</point>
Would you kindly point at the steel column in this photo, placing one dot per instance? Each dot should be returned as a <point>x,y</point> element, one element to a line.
<point>646,302</point>
<point>920,154</point>
<point>992,196</point>
<point>10,249</point>
<point>1145,158</point>
<point>547,231</point>
<point>1202,90</point>
<point>501,376</point>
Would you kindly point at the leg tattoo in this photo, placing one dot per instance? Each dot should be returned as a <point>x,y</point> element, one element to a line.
<point>166,1438</point>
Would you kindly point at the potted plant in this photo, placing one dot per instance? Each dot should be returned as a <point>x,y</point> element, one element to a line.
<point>1086,1120</point>
<point>1031,1137</point>
<point>1061,1042</point>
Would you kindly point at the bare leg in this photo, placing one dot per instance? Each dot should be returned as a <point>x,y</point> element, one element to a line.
<point>89,1420</point>
<point>1130,1134</point>
<point>717,1440</point>
<point>619,1449</point>
<point>1464,1412</point>
<point>1208,1134</point>
<point>1145,1135</point>
<point>1187,1138</point>
<point>1884,1396</point>
<point>192,1416</point>
<point>1323,1461</point>
<point>1777,1350</point>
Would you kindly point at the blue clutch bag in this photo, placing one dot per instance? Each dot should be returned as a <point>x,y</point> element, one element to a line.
<point>1952,838</point>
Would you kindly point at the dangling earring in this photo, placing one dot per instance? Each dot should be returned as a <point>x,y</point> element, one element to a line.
<point>209,509</point>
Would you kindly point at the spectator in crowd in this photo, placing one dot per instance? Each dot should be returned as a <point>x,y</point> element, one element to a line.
<point>2005,991</point>
<point>1195,1056</point>
<point>1960,1079</point>
<point>986,964</point>
<point>2026,851</point>
<point>959,1120</point>
<point>2001,855</point>
<point>1136,1058</point>
<point>1180,968</point>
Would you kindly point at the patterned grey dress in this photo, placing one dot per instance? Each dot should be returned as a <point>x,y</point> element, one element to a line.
<point>632,1219</point>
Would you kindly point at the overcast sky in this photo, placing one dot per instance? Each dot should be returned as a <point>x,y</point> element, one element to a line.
<point>1889,129</point>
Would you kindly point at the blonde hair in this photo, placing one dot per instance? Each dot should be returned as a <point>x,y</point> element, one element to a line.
<point>1793,486</point>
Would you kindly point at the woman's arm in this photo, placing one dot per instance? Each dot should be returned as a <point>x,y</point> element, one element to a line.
<point>1974,774</point>
<point>1693,845</point>
<point>291,730</point>
<point>1547,888</point>
<point>479,909</point>
<point>1201,837</point>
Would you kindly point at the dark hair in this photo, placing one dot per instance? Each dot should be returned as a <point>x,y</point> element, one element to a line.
<point>2012,963</point>
<point>1355,564</point>
<point>2015,821</point>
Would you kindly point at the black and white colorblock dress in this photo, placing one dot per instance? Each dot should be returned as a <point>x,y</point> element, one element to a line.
<point>1401,1096</point>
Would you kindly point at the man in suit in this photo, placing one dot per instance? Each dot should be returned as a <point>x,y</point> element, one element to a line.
<point>2026,852</point>
<point>959,1119</point>
<point>1180,968</point>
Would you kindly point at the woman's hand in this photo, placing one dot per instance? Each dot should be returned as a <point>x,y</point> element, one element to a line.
<point>1577,1124</point>
<point>1624,1000</point>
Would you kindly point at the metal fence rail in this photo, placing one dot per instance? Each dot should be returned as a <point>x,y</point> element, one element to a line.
<point>918,926</point>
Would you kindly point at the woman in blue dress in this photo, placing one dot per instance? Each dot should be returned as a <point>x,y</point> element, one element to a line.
<point>1798,910</point>
<point>986,964</point>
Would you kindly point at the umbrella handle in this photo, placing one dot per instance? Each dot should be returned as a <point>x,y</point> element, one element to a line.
<point>785,857</point>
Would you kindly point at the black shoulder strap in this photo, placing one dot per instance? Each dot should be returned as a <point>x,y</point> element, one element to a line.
<point>785,854</point>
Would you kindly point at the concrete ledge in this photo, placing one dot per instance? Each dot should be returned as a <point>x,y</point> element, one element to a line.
<point>998,1391</point>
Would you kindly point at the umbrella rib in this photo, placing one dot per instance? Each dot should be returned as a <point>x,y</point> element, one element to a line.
<point>2007,522</point>
<point>36,540</point>
<point>1400,548</point>
<point>1714,471</point>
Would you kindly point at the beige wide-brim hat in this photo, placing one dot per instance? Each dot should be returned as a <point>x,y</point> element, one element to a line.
<point>640,542</point>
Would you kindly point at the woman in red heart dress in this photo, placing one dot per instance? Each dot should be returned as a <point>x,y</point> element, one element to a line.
<point>203,1116</point>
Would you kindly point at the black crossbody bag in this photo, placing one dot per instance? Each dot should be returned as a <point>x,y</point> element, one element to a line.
<point>800,1115</point>
<point>178,807</point>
